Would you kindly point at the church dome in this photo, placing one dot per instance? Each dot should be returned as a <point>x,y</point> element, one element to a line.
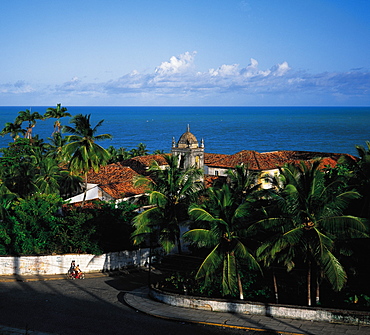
<point>187,140</point>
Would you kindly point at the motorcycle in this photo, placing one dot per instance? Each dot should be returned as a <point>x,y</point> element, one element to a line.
<point>75,275</point>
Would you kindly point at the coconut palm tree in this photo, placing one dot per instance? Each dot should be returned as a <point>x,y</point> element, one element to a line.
<point>243,182</point>
<point>14,129</point>
<point>311,220</point>
<point>140,150</point>
<point>56,113</point>
<point>170,192</point>
<point>30,117</point>
<point>226,227</point>
<point>55,146</point>
<point>81,152</point>
<point>47,179</point>
<point>117,155</point>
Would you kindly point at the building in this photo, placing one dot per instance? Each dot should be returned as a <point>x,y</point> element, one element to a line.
<point>116,181</point>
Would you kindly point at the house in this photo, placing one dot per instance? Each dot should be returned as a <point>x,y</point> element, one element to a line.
<point>116,181</point>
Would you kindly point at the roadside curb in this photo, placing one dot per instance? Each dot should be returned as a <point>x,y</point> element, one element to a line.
<point>31,278</point>
<point>140,301</point>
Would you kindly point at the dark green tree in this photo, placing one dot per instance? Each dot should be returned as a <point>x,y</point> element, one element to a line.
<point>311,220</point>
<point>82,152</point>
<point>56,113</point>
<point>226,227</point>
<point>170,192</point>
<point>14,129</point>
<point>30,117</point>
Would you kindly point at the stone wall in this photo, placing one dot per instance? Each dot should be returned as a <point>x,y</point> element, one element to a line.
<point>273,310</point>
<point>59,264</point>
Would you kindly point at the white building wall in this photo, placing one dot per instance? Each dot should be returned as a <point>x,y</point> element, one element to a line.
<point>92,193</point>
<point>59,264</point>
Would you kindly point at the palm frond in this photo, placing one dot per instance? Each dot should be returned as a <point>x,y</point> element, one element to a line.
<point>351,226</point>
<point>211,263</point>
<point>333,270</point>
<point>202,237</point>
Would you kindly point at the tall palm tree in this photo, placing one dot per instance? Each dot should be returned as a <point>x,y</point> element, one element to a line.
<point>170,192</point>
<point>311,220</point>
<point>226,228</point>
<point>243,182</point>
<point>14,129</point>
<point>30,117</point>
<point>82,152</point>
<point>56,113</point>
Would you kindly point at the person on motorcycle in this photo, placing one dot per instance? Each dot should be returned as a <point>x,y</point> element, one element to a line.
<point>72,268</point>
<point>78,271</point>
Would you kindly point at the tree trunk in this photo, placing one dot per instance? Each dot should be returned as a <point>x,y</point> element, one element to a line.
<point>179,249</point>
<point>275,287</point>
<point>309,284</point>
<point>85,193</point>
<point>240,286</point>
<point>318,277</point>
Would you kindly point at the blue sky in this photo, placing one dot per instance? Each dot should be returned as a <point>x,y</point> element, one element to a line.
<point>219,52</point>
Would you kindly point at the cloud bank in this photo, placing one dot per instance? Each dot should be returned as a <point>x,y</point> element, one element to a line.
<point>177,82</point>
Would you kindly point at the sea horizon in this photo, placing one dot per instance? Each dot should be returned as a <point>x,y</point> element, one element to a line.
<point>224,129</point>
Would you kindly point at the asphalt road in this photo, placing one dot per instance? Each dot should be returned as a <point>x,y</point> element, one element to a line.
<point>90,306</point>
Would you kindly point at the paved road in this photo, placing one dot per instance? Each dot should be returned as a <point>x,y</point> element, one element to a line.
<point>90,306</point>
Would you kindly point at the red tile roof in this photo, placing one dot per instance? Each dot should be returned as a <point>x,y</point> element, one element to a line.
<point>266,160</point>
<point>116,180</point>
<point>141,163</point>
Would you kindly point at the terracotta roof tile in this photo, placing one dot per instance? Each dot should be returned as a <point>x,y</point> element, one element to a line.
<point>116,180</point>
<point>141,163</point>
<point>266,160</point>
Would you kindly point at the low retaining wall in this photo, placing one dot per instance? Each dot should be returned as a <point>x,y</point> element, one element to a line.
<point>59,264</point>
<point>273,310</point>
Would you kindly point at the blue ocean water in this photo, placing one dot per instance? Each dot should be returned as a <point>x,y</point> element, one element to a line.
<point>225,130</point>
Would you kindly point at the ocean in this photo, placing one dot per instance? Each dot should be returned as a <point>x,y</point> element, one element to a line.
<point>225,130</point>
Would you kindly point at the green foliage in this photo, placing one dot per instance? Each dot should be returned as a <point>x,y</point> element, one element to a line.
<point>226,224</point>
<point>34,226</point>
<point>113,225</point>
<point>170,192</point>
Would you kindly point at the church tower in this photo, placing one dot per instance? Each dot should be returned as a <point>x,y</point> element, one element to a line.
<point>188,151</point>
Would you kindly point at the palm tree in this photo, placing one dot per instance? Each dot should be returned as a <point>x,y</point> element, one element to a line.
<point>226,227</point>
<point>82,153</point>
<point>243,182</point>
<point>47,179</point>
<point>6,199</point>
<point>55,147</point>
<point>140,150</point>
<point>310,223</point>
<point>56,113</point>
<point>362,175</point>
<point>13,129</point>
<point>117,155</point>
<point>27,115</point>
<point>170,192</point>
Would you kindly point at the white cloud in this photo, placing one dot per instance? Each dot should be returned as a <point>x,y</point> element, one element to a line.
<point>177,64</point>
<point>19,87</point>
<point>280,69</point>
<point>225,70</point>
<point>177,81</point>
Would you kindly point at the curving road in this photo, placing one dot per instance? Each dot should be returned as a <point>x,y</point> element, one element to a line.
<point>90,306</point>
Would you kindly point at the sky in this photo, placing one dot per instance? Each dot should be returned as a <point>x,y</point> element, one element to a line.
<point>185,53</point>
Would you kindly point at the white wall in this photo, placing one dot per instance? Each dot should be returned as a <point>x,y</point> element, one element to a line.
<point>92,193</point>
<point>59,264</point>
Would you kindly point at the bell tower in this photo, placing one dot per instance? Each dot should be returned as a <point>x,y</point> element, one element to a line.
<point>188,151</point>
